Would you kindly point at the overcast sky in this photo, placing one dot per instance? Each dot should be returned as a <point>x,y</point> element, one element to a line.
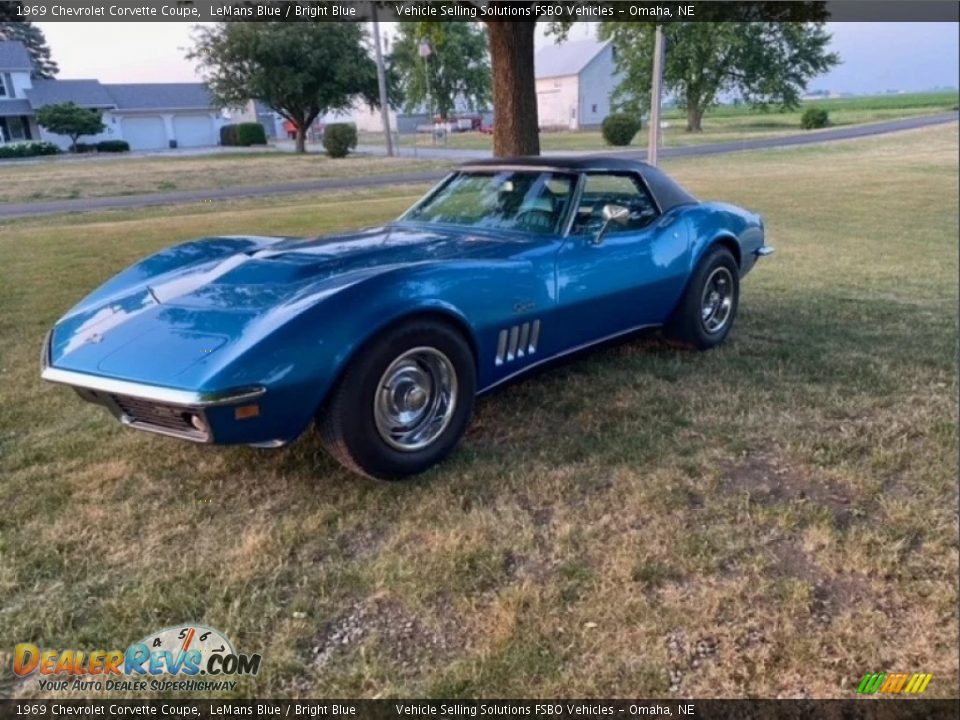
<point>876,56</point>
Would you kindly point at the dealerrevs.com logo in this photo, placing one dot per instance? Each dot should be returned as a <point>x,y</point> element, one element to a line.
<point>180,658</point>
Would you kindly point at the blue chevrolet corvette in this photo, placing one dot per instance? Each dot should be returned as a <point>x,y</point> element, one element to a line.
<point>384,336</point>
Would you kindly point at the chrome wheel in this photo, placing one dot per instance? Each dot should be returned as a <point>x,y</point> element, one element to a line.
<point>415,399</point>
<point>716,302</point>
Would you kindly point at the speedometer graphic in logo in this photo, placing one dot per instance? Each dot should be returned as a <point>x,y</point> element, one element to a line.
<point>178,640</point>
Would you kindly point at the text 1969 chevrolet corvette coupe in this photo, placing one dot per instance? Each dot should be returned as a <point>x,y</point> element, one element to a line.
<point>386,335</point>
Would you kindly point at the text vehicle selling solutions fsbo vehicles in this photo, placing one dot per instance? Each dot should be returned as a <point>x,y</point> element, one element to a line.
<point>385,335</point>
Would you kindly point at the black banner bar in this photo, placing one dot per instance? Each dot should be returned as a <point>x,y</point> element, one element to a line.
<point>470,10</point>
<point>854,709</point>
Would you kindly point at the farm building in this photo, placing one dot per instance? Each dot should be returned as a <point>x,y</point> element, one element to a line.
<point>574,83</point>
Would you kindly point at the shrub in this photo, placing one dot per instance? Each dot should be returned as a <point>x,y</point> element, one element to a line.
<point>243,134</point>
<point>620,128</point>
<point>27,149</point>
<point>814,118</point>
<point>84,147</point>
<point>339,139</point>
<point>114,146</point>
<point>228,134</point>
<point>251,133</point>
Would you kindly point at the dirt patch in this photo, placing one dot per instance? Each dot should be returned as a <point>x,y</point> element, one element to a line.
<point>361,544</point>
<point>768,480</point>
<point>829,592</point>
<point>391,627</point>
<point>687,656</point>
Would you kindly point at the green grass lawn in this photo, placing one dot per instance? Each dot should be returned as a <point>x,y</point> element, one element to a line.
<point>85,176</point>
<point>773,518</point>
<point>726,123</point>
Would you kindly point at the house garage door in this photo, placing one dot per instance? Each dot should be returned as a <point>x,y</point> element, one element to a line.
<point>194,130</point>
<point>145,133</point>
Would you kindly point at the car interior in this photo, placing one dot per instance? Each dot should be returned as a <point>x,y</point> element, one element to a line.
<point>613,189</point>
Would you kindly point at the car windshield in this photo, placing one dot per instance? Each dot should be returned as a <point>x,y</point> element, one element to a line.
<point>533,202</point>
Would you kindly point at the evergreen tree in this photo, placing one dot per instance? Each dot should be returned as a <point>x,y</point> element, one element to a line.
<point>32,37</point>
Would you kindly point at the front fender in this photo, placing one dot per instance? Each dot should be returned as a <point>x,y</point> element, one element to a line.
<point>299,357</point>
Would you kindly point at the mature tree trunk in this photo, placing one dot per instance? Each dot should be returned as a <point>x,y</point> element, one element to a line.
<point>301,138</point>
<point>515,127</point>
<point>694,117</point>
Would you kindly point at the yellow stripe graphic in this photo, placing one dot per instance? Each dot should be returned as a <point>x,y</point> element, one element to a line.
<point>914,682</point>
<point>926,681</point>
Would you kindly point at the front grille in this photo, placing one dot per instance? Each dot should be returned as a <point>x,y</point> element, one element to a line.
<point>150,415</point>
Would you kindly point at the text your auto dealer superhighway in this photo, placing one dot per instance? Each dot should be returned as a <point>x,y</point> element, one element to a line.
<point>142,11</point>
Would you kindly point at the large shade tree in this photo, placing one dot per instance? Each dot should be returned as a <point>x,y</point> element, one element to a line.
<point>301,70</point>
<point>457,68</point>
<point>762,63</point>
<point>516,128</point>
<point>34,40</point>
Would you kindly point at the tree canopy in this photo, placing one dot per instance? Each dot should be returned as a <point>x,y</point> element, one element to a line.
<point>300,69</point>
<point>457,69</point>
<point>71,120</point>
<point>763,63</point>
<point>33,38</point>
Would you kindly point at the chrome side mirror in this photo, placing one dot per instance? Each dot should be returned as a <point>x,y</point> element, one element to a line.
<point>611,214</point>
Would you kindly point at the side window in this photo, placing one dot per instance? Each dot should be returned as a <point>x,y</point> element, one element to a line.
<point>622,189</point>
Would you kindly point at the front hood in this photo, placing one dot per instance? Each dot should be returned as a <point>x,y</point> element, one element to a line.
<point>281,270</point>
<point>162,326</point>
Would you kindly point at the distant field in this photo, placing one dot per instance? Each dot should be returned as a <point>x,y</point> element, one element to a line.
<point>726,123</point>
<point>770,519</point>
<point>932,101</point>
<point>85,177</point>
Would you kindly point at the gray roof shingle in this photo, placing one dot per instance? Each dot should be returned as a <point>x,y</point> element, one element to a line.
<point>14,107</point>
<point>160,96</point>
<point>123,96</point>
<point>14,56</point>
<point>566,59</point>
<point>86,93</point>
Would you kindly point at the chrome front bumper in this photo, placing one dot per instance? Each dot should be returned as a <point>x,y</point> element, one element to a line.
<point>154,408</point>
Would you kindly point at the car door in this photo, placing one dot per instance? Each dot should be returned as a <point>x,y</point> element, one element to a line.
<point>628,277</point>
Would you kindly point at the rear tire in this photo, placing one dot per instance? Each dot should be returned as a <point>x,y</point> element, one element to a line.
<point>706,312</point>
<point>403,403</point>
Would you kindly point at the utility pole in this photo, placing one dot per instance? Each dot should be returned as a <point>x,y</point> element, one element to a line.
<point>382,82</point>
<point>424,51</point>
<point>653,143</point>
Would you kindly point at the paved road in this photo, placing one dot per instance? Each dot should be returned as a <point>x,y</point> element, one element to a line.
<point>52,207</point>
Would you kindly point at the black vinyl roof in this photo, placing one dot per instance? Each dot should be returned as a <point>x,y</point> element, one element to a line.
<point>666,191</point>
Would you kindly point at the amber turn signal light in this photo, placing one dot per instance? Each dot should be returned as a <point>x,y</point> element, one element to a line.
<point>245,412</point>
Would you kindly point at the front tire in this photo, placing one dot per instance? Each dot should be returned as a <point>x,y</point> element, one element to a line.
<point>705,314</point>
<point>403,403</point>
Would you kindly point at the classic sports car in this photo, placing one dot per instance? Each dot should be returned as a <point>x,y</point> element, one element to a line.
<point>386,335</point>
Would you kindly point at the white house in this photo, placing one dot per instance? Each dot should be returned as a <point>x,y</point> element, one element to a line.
<point>149,116</point>
<point>16,115</point>
<point>574,83</point>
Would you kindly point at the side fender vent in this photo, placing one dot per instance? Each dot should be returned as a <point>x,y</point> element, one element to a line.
<point>517,342</point>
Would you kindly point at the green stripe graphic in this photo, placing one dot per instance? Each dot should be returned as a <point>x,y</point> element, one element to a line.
<point>871,683</point>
